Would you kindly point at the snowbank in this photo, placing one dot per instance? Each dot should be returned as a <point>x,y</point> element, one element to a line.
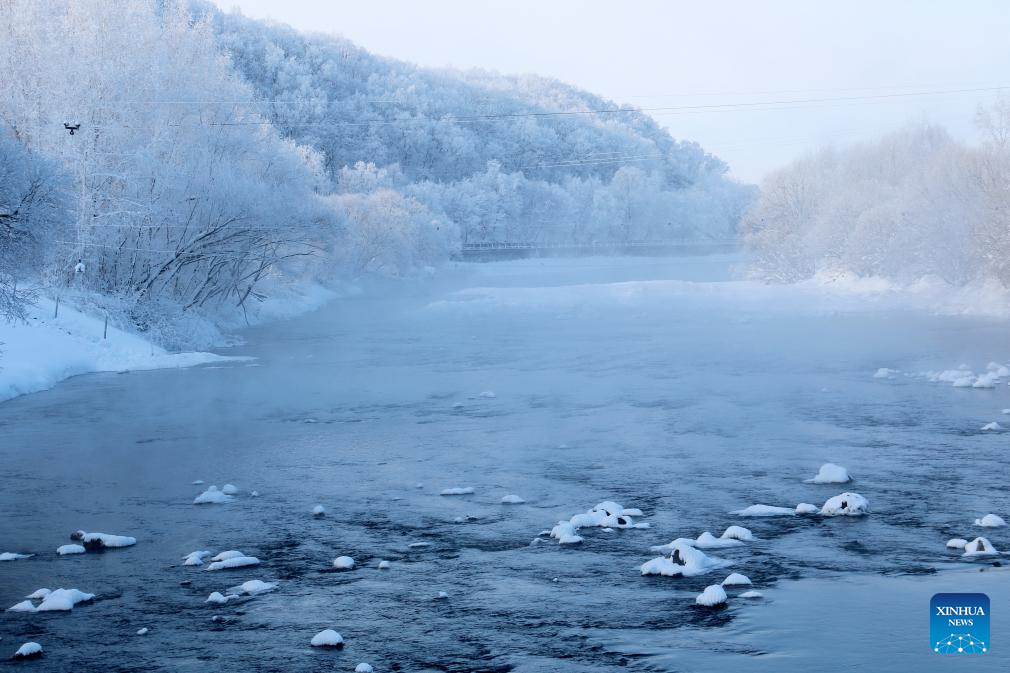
<point>846,504</point>
<point>990,521</point>
<point>764,510</point>
<point>711,596</point>
<point>42,352</point>
<point>831,474</point>
<point>685,560</point>
<point>327,638</point>
<point>212,496</point>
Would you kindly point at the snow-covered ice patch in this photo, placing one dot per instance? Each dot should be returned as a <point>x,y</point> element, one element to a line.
<point>218,598</point>
<point>327,638</point>
<point>512,499</point>
<point>488,395</point>
<point>343,563</point>
<point>68,549</point>
<point>457,490</point>
<point>96,541</point>
<point>12,556</point>
<point>385,565</point>
<point>195,558</point>
<point>28,650</point>
<point>39,594</point>
<point>253,587</point>
<point>807,508</point>
<point>60,600</point>
<point>752,594</point>
<point>711,596</point>
<point>956,543</point>
<point>992,426</point>
<point>845,504</point>
<point>764,510</point>
<point>736,579</point>
<point>980,546</point>
<point>212,496</point>
<point>234,562</point>
<point>565,533</point>
<point>990,521</point>
<point>737,533</point>
<point>831,474</point>
<point>229,489</point>
<point>143,631</point>
<point>685,560</point>
<point>885,373</point>
<point>363,668</point>
<point>318,511</point>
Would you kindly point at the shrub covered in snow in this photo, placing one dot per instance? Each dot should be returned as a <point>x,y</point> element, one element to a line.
<point>846,504</point>
<point>990,521</point>
<point>830,474</point>
<point>327,638</point>
<point>711,596</point>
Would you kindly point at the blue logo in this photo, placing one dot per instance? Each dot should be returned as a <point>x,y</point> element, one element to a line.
<point>959,623</point>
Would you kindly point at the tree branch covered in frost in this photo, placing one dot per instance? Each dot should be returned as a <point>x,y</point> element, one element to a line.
<point>914,204</point>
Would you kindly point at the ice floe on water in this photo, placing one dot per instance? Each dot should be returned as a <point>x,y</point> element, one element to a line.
<point>990,521</point>
<point>327,638</point>
<point>219,598</point>
<point>752,594</point>
<point>711,596</point>
<point>885,373</point>
<point>195,558</point>
<point>807,508</point>
<point>253,588</point>
<point>685,559</point>
<point>68,549</point>
<point>845,504</point>
<point>964,377</point>
<point>385,565</point>
<point>992,426</point>
<point>229,489</point>
<point>512,499</point>
<point>318,511</point>
<point>441,596</point>
<point>232,559</point>
<point>363,668</point>
<point>39,594</point>
<point>143,631</point>
<point>488,395</point>
<point>98,541</point>
<point>606,515</point>
<point>764,510</point>
<point>12,556</point>
<point>28,650</point>
<point>60,600</point>
<point>736,579</point>
<point>212,496</point>
<point>737,533</point>
<point>980,546</point>
<point>457,490</point>
<point>565,533</point>
<point>956,543</point>
<point>831,474</point>
<point>343,563</point>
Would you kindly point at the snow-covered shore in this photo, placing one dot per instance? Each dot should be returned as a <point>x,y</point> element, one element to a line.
<point>39,354</point>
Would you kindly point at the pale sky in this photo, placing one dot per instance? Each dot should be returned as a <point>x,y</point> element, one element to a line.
<point>655,53</point>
